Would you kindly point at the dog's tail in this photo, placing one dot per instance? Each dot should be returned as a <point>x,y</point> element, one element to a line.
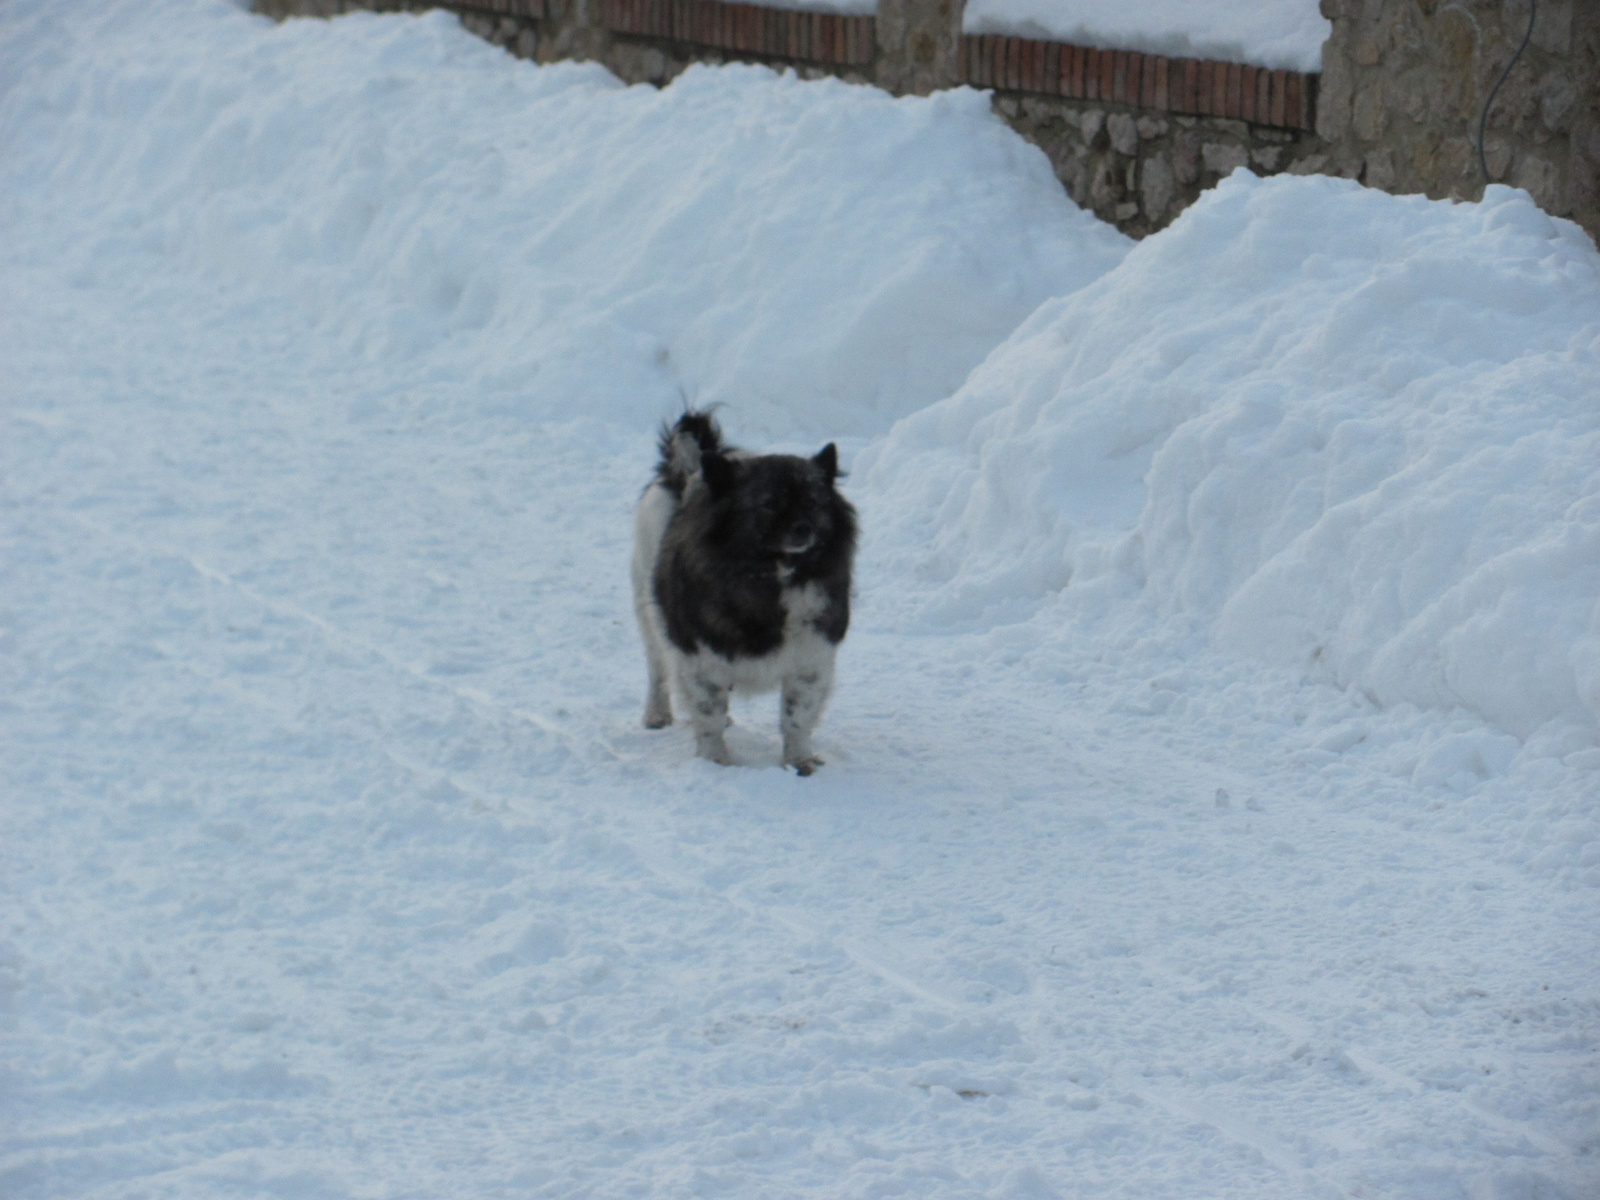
<point>693,437</point>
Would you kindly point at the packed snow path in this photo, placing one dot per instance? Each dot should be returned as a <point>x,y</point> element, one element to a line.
<point>339,866</point>
<point>336,862</point>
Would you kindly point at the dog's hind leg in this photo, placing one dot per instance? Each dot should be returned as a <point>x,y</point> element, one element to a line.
<point>804,694</point>
<point>708,693</point>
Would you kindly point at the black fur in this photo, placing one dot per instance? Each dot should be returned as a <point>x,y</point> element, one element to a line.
<point>761,524</point>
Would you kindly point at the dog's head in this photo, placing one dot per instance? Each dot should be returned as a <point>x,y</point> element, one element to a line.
<point>778,505</point>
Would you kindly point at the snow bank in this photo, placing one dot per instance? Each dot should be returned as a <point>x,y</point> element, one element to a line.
<point>1336,429</point>
<point>1265,33</point>
<point>784,246</point>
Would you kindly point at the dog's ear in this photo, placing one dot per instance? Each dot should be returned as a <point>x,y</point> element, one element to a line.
<point>828,459</point>
<point>718,471</point>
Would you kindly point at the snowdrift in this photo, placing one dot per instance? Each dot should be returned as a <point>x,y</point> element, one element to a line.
<point>810,253</point>
<point>1335,429</point>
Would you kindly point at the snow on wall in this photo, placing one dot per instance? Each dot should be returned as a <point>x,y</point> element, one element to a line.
<point>742,236</point>
<point>1336,429</point>
<point>1265,33</point>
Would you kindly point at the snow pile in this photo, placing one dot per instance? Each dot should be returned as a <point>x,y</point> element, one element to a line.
<point>1336,429</point>
<point>1265,33</point>
<point>739,236</point>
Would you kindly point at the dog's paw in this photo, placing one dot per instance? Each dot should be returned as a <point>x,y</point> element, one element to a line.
<point>715,749</point>
<point>657,720</point>
<point>806,766</point>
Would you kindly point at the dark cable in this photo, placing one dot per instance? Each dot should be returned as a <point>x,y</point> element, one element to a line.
<point>1483,122</point>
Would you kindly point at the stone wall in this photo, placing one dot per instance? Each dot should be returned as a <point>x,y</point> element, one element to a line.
<point>1405,81</point>
<point>1137,137</point>
<point>1134,137</point>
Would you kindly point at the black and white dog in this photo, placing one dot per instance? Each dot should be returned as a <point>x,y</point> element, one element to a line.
<point>741,579</point>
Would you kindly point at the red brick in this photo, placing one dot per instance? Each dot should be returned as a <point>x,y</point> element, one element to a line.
<point>1280,87</point>
<point>1163,96</point>
<point>1219,89</point>
<point>1247,93</point>
<point>1051,71</point>
<point>1235,106</point>
<point>1108,78</point>
<point>1294,114</point>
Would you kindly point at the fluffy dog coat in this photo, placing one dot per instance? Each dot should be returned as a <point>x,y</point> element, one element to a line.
<point>741,579</point>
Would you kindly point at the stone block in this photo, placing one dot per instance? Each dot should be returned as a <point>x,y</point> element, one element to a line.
<point>1222,159</point>
<point>1157,188</point>
<point>1124,133</point>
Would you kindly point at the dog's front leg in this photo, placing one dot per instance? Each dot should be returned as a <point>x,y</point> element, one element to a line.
<point>804,694</point>
<point>658,703</point>
<point>708,699</point>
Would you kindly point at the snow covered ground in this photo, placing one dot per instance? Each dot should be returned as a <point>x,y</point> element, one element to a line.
<point>1265,33</point>
<point>1213,797</point>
